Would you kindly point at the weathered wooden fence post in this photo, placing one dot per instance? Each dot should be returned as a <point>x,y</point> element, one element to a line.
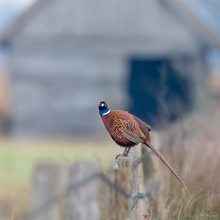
<point>130,178</point>
<point>83,204</point>
<point>45,184</point>
<point>123,177</point>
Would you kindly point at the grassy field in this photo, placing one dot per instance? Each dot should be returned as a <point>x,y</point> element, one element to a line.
<point>193,147</point>
<point>18,159</point>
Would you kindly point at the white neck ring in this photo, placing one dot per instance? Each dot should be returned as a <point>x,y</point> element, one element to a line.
<point>106,112</point>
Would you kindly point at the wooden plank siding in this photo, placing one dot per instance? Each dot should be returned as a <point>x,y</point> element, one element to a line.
<point>60,96</point>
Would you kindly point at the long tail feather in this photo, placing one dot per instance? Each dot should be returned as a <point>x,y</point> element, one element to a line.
<point>161,157</point>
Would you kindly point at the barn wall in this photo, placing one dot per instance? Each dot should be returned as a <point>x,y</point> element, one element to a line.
<point>57,85</point>
<point>58,92</point>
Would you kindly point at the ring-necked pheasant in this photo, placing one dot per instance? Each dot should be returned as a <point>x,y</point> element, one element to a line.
<point>128,130</point>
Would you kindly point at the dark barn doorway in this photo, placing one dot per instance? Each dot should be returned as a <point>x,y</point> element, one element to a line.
<point>159,93</point>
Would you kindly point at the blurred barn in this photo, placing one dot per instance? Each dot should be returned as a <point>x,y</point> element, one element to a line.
<point>67,55</point>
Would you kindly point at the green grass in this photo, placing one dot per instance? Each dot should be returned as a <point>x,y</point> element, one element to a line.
<point>17,160</point>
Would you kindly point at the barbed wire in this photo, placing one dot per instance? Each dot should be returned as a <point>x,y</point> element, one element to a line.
<point>139,195</point>
<point>51,201</point>
<point>94,176</point>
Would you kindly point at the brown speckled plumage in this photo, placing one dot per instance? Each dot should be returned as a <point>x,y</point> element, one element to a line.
<point>118,121</point>
<point>127,131</point>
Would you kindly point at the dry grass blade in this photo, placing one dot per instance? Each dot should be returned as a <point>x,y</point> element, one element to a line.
<point>192,147</point>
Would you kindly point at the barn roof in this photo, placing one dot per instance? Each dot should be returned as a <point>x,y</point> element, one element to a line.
<point>16,26</point>
<point>182,12</point>
<point>194,20</point>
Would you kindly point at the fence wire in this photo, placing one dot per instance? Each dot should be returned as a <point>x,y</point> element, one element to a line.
<point>87,180</point>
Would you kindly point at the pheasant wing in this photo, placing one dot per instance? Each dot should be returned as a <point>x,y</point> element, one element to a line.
<point>143,125</point>
<point>132,132</point>
<point>132,138</point>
